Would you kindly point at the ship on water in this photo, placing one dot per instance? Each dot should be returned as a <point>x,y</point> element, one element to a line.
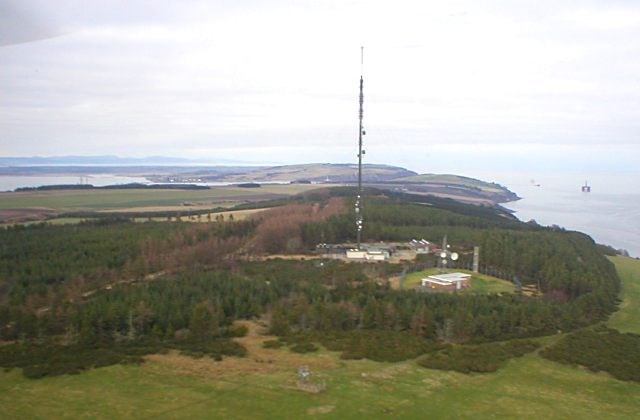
<point>586,187</point>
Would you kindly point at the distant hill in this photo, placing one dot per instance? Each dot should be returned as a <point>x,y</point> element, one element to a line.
<point>321,173</point>
<point>178,170</point>
<point>387,177</point>
<point>457,187</point>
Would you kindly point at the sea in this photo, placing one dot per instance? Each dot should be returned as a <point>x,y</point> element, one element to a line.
<point>610,213</point>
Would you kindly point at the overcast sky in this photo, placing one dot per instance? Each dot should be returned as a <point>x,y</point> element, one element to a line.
<point>450,86</point>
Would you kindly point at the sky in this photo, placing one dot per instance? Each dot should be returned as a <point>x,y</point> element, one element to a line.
<point>463,87</point>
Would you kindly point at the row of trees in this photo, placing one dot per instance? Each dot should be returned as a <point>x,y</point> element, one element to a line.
<point>300,296</point>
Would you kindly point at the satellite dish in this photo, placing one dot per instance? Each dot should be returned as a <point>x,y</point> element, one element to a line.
<point>454,256</point>
<point>443,255</point>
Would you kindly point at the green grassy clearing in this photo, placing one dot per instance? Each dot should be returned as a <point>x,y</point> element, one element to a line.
<point>480,283</point>
<point>529,387</point>
<point>627,319</point>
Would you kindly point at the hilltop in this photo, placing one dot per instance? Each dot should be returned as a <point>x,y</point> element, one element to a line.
<point>141,302</point>
<point>384,177</point>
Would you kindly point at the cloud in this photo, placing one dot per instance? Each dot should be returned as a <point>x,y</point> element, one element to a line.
<point>186,78</point>
<point>19,23</point>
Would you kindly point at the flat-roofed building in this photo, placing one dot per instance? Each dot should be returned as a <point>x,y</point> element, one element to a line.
<point>434,285</point>
<point>367,255</point>
<point>447,281</point>
<point>356,254</point>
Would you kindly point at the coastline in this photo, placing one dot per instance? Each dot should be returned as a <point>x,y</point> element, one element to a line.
<point>609,219</point>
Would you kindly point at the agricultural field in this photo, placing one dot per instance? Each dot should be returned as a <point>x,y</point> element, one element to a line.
<point>480,283</point>
<point>453,180</point>
<point>207,217</point>
<point>41,204</point>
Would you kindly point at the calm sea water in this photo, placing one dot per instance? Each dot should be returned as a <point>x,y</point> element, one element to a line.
<point>610,213</point>
<point>10,183</point>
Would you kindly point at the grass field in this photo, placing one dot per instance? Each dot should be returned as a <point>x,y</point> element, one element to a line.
<point>530,387</point>
<point>627,319</point>
<point>20,207</point>
<point>480,283</point>
<point>452,180</point>
<point>126,198</point>
<point>263,385</point>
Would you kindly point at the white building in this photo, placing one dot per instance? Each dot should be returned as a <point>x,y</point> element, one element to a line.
<point>447,281</point>
<point>367,255</point>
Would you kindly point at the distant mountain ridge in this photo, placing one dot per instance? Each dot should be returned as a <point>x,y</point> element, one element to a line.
<point>110,160</point>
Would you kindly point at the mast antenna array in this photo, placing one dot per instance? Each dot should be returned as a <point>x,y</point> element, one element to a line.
<point>361,152</point>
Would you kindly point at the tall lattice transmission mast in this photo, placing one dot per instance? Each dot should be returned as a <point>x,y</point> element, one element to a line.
<point>360,153</point>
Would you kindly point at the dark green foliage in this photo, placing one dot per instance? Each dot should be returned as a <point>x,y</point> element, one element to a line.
<point>304,347</point>
<point>381,346</point>
<point>600,350</point>
<point>204,322</point>
<point>36,257</point>
<point>51,359</point>
<point>482,358</point>
<point>272,344</point>
<point>237,331</point>
<point>34,260</point>
<point>607,250</point>
<point>215,348</point>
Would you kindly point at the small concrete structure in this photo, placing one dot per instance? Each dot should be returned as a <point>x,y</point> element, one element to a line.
<point>448,281</point>
<point>376,256</point>
<point>367,255</point>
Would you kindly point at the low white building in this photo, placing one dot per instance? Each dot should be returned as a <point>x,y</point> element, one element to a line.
<point>447,281</point>
<point>356,254</point>
<point>367,255</point>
